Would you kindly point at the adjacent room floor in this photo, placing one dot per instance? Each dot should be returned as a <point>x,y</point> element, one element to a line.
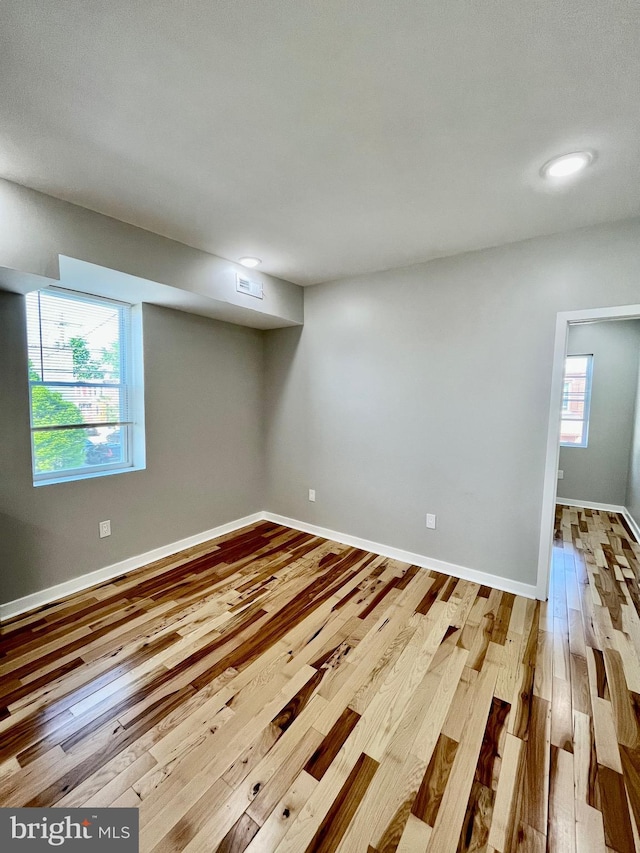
<point>277,691</point>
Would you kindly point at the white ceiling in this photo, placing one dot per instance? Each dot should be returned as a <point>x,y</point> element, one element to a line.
<point>328,138</point>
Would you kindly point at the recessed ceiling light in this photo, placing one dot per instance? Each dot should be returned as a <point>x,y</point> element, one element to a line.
<point>567,164</point>
<point>249,262</point>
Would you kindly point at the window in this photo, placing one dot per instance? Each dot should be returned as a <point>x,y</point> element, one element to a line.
<point>85,382</point>
<point>576,400</point>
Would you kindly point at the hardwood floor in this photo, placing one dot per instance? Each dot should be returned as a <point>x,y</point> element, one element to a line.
<point>273,691</point>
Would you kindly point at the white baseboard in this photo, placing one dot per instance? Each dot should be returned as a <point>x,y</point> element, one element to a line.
<point>591,505</point>
<point>633,524</point>
<point>496,581</point>
<point>61,590</point>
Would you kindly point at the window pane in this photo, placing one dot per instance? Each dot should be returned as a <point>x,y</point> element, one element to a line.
<point>73,340</point>
<point>62,405</point>
<point>571,432</point>
<point>577,366</point>
<point>106,445</point>
<point>59,450</point>
<point>66,449</point>
<point>574,408</point>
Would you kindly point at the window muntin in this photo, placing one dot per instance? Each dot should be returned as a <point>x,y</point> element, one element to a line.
<point>80,380</point>
<point>576,400</point>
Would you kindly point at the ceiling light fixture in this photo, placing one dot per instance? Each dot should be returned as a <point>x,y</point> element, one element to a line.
<point>249,262</point>
<point>567,164</point>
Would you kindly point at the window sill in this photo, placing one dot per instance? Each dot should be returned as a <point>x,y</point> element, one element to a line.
<point>89,475</point>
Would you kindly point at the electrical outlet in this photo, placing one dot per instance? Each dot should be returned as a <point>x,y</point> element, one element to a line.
<point>560,474</point>
<point>431,521</point>
<point>105,529</point>
<point>312,494</point>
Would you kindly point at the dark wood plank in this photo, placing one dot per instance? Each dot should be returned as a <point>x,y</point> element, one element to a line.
<point>501,624</point>
<point>429,796</point>
<point>617,823</point>
<point>490,749</point>
<point>332,744</point>
<point>343,808</point>
<point>239,836</point>
<point>431,596</point>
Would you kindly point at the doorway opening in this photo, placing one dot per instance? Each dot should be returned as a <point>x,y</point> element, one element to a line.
<point>564,321</point>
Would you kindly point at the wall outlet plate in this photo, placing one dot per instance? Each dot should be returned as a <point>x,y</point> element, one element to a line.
<point>312,494</point>
<point>560,474</point>
<point>431,521</point>
<point>105,529</point>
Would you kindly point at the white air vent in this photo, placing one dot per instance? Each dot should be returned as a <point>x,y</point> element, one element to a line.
<point>245,285</point>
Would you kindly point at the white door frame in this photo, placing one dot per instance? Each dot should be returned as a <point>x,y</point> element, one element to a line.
<point>563,321</point>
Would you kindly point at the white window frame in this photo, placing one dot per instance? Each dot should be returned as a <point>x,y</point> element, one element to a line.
<point>587,400</point>
<point>131,378</point>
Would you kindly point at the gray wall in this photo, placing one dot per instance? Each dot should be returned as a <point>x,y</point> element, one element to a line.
<point>599,472</point>
<point>204,409</point>
<point>427,389</point>
<point>36,228</point>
